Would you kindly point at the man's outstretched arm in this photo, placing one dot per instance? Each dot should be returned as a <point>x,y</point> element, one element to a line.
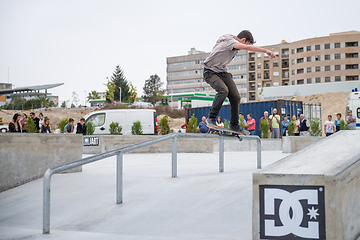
<point>242,46</point>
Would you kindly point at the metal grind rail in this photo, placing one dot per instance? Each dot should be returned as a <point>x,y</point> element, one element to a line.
<point>119,165</point>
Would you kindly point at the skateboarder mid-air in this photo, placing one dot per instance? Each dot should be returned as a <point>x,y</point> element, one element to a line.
<point>216,75</point>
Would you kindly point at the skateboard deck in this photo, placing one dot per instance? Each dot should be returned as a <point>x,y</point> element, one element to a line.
<point>222,130</point>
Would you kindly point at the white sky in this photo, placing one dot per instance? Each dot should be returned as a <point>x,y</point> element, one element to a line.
<point>79,42</point>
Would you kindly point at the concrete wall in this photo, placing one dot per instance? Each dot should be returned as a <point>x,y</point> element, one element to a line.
<point>234,145</point>
<point>331,168</point>
<point>184,145</point>
<point>25,157</point>
<point>294,144</point>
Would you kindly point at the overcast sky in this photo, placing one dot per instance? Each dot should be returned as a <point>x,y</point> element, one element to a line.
<point>79,42</point>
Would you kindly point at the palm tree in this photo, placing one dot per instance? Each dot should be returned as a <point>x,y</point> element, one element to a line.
<point>93,95</point>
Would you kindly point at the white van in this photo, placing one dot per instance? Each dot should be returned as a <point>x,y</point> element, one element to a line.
<point>353,104</point>
<point>125,117</point>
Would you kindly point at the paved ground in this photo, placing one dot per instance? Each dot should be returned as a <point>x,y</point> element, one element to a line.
<point>200,204</point>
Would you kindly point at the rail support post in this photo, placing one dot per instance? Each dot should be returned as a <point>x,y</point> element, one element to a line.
<point>46,202</point>
<point>119,178</point>
<point>258,147</point>
<point>221,154</point>
<point>174,158</point>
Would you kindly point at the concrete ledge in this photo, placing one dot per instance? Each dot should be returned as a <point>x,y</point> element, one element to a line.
<point>293,144</point>
<point>184,145</point>
<point>25,157</point>
<point>314,192</point>
<point>234,145</point>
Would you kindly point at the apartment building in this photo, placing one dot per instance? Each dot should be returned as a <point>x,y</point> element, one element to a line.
<point>185,75</point>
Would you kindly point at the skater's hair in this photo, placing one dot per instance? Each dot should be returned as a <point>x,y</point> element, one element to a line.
<point>339,114</point>
<point>247,35</point>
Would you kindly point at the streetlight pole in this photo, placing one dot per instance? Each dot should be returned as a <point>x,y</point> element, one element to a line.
<point>120,94</point>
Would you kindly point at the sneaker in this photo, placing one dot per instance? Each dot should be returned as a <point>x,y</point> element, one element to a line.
<point>239,130</point>
<point>211,121</point>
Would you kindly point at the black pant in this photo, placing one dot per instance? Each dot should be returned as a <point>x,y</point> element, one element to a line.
<point>224,86</point>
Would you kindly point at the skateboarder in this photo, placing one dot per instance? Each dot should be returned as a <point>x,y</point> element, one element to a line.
<point>216,75</point>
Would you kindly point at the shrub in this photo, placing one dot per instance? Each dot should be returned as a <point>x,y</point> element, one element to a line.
<point>192,124</point>
<point>164,126</point>
<point>264,128</point>
<point>30,125</point>
<point>62,124</point>
<point>344,125</point>
<point>136,128</point>
<point>315,127</point>
<point>226,123</point>
<point>115,128</point>
<point>90,128</point>
<point>1,121</point>
<point>291,128</point>
<point>242,125</point>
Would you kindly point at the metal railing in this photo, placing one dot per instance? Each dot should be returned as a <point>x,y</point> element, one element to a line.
<point>119,165</point>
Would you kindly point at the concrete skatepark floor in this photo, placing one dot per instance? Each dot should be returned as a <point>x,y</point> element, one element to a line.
<point>200,204</point>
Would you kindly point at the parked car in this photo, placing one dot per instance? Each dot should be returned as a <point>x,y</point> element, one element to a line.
<point>125,117</point>
<point>4,128</point>
<point>141,105</point>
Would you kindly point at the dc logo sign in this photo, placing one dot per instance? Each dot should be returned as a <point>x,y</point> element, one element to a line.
<point>292,212</point>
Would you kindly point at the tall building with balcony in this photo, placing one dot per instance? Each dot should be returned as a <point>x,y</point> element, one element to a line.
<point>185,75</point>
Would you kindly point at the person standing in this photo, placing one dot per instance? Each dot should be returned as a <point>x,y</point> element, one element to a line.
<point>351,120</point>
<point>275,121</point>
<point>267,119</point>
<point>14,125</point>
<point>216,75</point>
<point>297,125</point>
<point>36,121</point>
<point>81,127</point>
<point>338,122</point>
<point>304,125</point>
<point>69,128</point>
<point>284,125</point>
<point>45,127</point>
<point>329,126</point>
<point>41,120</point>
<point>202,128</point>
<point>250,124</point>
<point>23,122</point>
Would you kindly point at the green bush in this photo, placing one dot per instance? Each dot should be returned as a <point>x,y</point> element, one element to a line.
<point>192,124</point>
<point>315,127</point>
<point>291,128</point>
<point>264,128</point>
<point>90,128</point>
<point>62,124</point>
<point>136,128</point>
<point>115,128</point>
<point>164,126</point>
<point>344,125</point>
<point>1,121</point>
<point>226,123</point>
<point>30,125</point>
<point>242,125</point>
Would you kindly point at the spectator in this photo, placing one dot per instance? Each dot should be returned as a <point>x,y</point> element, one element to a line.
<point>81,127</point>
<point>45,127</point>
<point>219,122</point>
<point>304,125</point>
<point>351,120</point>
<point>284,126</point>
<point>275,121</point>
<point>329,126</point>
<point>41,121</point>
<point>241,116</point>
<point>250,124</point>
<point>266,117</point>
<point>69,128</point>
<point>23,122</point>
<point>297,125</point>
<point>186,125</point>
<point>14,125</point>
<point>337,122</point>
<point>202,128</point>
<point>36,121</point>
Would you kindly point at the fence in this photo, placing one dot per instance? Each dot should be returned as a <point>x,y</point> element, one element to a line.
<point>119,168</point>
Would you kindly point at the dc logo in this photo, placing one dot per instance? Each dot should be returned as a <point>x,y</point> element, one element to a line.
<point>292,212</point>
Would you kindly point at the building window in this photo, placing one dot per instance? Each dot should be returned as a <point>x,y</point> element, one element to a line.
<point>243,95</point>
<point>301,81</point>
<point>293,82</point>
<point>308,70</point>
<point>351,55</point>
<point>308,80</point>
<point>292,51</point>
<point>236,58</point>
<point>318,80</point>
<point>234,67</point>
<point>189,81</point>
<point>352,66</point>
<point>337,79</point>
<point>180,64</point>
<point>243,57</point>
<point>243,76</point>
<point>170,74</point>
<point>352,78</point>
<point>188,90</point>
<point>308,59</point>
<point>259,75</point>
<point>308,48</point>
<point>189,63</point>
<point>299,71</point>
<point>259,65</point>
<point>299,50</point>
<point>243,85</point>
<point>275,74</point>
<point>236,76</point>
<point>293,61</point>
<point>327,68</point>
<point>170,65</point>
<point>327,79</point>
<point>189,72</point>
<point>178,90</point>
<point>317,58</point>
<point>259,55</point>
<point>337,56</point>
<point>351,44</point>
<point>243,66</point>
<point>177,73</point>
<point>197,89</point>
<point>293,72</point>
<point>178,82</point>
<point>317,69</point>
<point>327,46</point>
<point>197,61</point>
<point>327,57</point>
<point>337,67</point>
<point>337,45</point>
<point>317,47</point>
<point>275,64</point>
<point>300,60</point>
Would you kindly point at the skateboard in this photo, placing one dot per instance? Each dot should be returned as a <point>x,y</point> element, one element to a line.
<point>224,131</point>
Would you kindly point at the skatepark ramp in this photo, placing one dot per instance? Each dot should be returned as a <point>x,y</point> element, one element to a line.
<point>311,194</point>
<point>119,168</point>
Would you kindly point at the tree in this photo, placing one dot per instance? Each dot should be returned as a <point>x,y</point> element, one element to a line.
<point>43,101</point>
<point>63,105</point>
<point>133,92</point>
<point>93,95</point>
<point>110,91</point>
<point>119,80</point>
<point>152,91</point>
<point>17,99</point>
<point>75,100</point>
